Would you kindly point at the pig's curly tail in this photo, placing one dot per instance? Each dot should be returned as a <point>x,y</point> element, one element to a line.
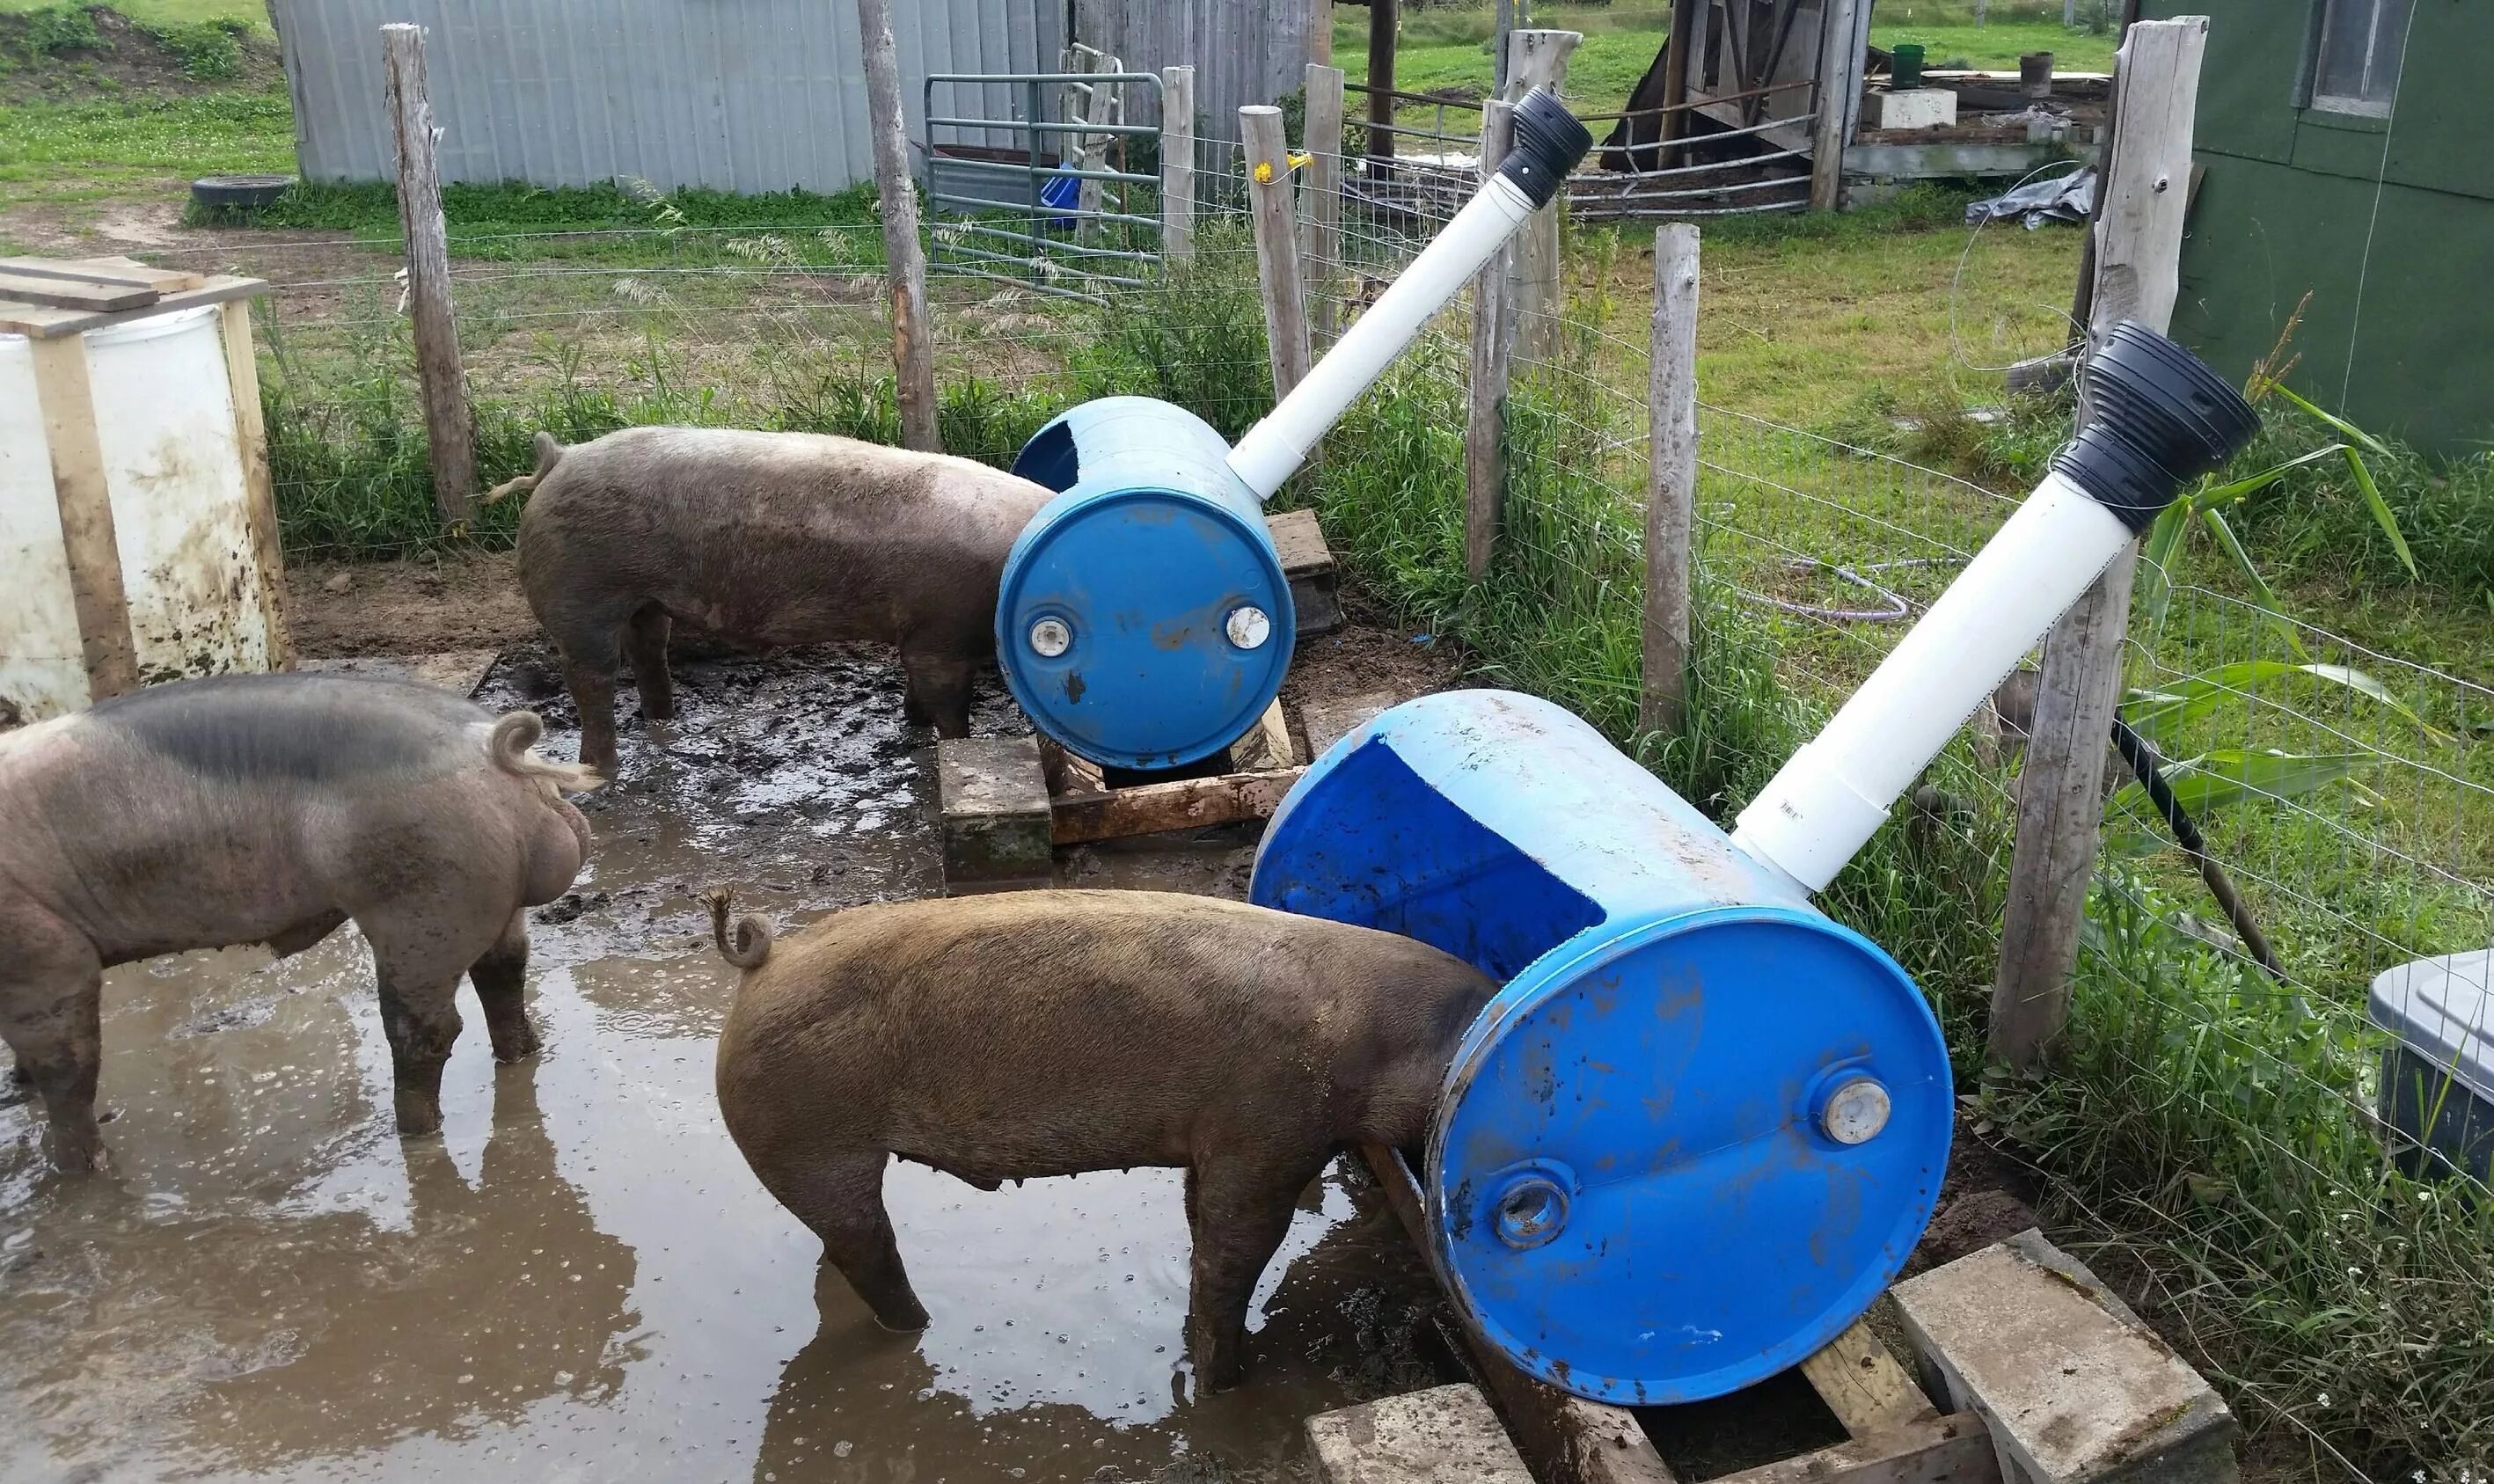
<point>512,745</point>
<point>549,452</point>
<point>749,945</point>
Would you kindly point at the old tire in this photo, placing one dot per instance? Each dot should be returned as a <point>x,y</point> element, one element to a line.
<point>238,193</point>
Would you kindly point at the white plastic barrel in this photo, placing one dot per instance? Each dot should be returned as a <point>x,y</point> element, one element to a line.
<point>173,469</point>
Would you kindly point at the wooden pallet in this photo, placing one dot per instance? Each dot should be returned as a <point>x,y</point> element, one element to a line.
<point>1896,1436</point>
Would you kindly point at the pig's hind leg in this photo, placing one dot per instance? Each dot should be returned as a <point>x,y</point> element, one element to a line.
<point>52,996</point>
<point>645,645</point>
<point>501,980</point>
<point>938,693</point>
<point>841,1201</point>
<point>1238,1210</point>
<point>590,656</point>
<point>421,947</point>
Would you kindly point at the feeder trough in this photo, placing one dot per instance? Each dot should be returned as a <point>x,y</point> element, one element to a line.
<point>1143,619</point>
<point>1702,1126</point>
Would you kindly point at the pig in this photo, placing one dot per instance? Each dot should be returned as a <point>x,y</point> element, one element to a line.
<point>1047,1033</point>
<point>766,540</point>
<point>270,809</point>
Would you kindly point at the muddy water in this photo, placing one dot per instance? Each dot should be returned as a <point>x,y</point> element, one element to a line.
<point>580,1279</point>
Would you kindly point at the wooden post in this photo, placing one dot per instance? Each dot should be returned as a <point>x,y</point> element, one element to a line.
<point>1277,244</point>
<point>1502,27</point>
<point>1177,165</point>
<point>449,431</point>
<point>913,356</point>
<point>1323,142</point>
<point>1540,59</point>
<point>1320,32</point>
<point>260,495</point>
<point>1099,106</point>
<point>1839,93</point>
<point>1384,19</point>
<point>66,398</point>
<point>1677,51</point>
<point>1492,340</point>
<point>2060,799</point>
<point>1671,479</point>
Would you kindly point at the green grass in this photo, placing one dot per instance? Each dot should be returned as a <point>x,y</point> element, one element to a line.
<point>1996,47</point>
<point>253,14</point>
<point>86,151</point>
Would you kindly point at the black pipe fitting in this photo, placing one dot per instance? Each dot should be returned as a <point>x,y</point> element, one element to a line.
<point>2162,420</point>
<point>1548,143</point>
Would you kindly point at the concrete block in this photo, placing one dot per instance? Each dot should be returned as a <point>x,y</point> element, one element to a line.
<point>1916,108</point>
<point>2074,1388</point>
<point>1308,562</point>
<point>993,795</point>
<point>1441,1435</point>
<point>1266,746</point>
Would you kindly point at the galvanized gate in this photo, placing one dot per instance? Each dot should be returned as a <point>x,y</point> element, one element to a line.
<point>1071,207</point>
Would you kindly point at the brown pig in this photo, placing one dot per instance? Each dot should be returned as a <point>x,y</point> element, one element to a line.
<point>1047,1033</point>
<point>769,539</point>
<point>270,809</point>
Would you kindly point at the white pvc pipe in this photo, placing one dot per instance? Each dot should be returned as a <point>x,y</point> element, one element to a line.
<point>1274,448</point>
<point>1825,804</point>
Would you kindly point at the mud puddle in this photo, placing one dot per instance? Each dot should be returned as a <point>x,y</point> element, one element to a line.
<point>580,1279</point>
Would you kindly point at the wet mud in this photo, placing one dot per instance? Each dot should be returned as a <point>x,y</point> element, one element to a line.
<point>579,1279</point>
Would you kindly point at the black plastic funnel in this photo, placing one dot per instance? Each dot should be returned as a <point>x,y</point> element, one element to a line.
<point>2162,420</point>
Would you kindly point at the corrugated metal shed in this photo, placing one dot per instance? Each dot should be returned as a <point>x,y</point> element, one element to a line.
<point>736,95</point>
<point>1242,50</point>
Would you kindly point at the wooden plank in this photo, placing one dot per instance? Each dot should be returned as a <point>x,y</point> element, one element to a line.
<point>1151,808</point>
<point>68,293</point>
<point>115,272</point>
<point>1840,89</point>
<point>1308,565</point>
<point>1671,478</point>
<point>1538,58</point>
<point>1099,106</point>
<point>85,500</point>
<point>1564,1438</point>
<point>39,322</point>
<point>1177,165</point>
<point>904,256</point>
<point>1270,193</point>
<point>1941,1450</point>
<point>260,494</point>
<point>2061,803</point>
<point>449,427</point>
<point>1323,136</point>
<point>1493,348</point>
<point>1864,1385</point>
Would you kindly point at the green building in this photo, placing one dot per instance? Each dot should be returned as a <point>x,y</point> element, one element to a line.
<point>2347,151</point>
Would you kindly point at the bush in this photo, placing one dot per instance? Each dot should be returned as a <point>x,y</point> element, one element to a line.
<point>208,49</point>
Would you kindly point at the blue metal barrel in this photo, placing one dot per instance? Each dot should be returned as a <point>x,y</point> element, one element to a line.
<point>1143,620</point>
<point>1702,1126</point>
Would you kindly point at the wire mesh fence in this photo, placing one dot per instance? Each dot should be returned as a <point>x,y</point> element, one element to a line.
<point>2213,1123</point>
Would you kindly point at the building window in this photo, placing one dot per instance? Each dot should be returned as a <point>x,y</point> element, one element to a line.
<point>2358,69</point>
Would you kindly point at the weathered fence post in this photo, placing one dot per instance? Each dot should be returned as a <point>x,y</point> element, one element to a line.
<point>1502,27</point>
<point>1675,75</point>
<point>2060,798</point>
<point>1492,340</point>
<point>1177,165</point>
<point>1277,244</point>
<point>1671,480</point>
<point>449,430</point>
<point>1539,60</point>
<point>1839,95</point>
<point>1099,106</point>
<point>913,354</point>
<point>1323,144</point>
<point>1385,19</point>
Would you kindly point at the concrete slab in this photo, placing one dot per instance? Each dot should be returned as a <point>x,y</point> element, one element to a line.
<point>1266,746</point>
<point>1446,1435</point>
<point>1308,562</point>
<point>2074,1388</point>
<point>992,792</point>
<point>456,670</point>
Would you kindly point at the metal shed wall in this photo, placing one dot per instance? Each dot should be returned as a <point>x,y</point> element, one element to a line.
<point>1242,50</point>
<point>735,95</point>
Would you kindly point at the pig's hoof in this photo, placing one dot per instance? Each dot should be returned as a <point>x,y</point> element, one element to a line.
<point>416,1119</point>
<point>517,1047</point>
<point>910,1320</point>
<point>81,1157</point>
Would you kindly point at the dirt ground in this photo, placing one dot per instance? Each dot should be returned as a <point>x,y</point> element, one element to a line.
<point>580,1279</point>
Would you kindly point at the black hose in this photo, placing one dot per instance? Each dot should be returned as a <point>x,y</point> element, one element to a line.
<point>2144,761</point>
